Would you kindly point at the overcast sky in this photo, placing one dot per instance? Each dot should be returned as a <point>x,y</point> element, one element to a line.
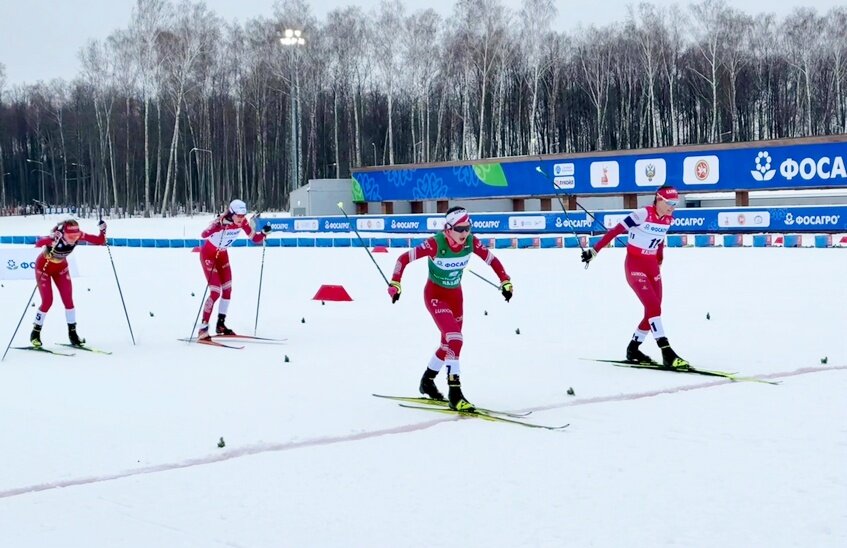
<point>40,39</point>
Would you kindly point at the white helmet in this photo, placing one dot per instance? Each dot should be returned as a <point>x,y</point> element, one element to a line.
<point>238,207</point>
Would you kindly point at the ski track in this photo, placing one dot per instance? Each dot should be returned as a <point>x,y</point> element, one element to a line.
<point>404,429</point>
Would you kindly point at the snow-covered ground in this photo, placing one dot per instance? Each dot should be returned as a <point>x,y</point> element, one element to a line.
<point>121,450</point>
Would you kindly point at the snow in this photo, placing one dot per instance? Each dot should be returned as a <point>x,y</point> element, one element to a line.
<point>121,450</point>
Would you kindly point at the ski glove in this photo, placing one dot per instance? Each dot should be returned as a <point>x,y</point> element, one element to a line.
<point>267,228</point>
<point>588,255</point>
<point>506,289</point>
<point>102,225</point>
<point>394,291</point>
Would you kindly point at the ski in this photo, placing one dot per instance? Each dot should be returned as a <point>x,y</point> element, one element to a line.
<point>46,350</point>
<point>209,342</point>
<point>484,416</point>
<point>445,403</point>
<point>691,370</point>
<point>87,348</point>
<point>249,337</point>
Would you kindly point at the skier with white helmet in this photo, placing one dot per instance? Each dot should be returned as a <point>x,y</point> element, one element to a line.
<point>215,260</point>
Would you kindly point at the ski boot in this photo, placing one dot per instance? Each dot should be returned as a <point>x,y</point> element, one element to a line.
<point>457,399</point>
<point>634,355</point>
<point>671,359</point>
<point>74,336</point>
<point>203,334</point>
<point>427,386</point>
<point>35,336</point>
<point>221,328</point>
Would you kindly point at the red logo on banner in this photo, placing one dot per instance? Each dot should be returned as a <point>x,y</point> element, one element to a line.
<point>701,170</point>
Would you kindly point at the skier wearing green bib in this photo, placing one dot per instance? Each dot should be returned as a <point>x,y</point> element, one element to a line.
<point>448,253</point>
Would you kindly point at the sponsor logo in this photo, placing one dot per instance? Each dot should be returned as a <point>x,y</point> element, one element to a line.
<point>486,224</point>
<point>405,225</point>
<point>735,219</point>
<point>688,221</point>
<point>605,174</point>
<point>533,222</point>
<point>565,182</point>
<point>650,172</point>
<point>700,170</point>
<point>435,223</point>
<point>809,168</point>
<point>571,223</point>
<point>306,225</point>
<point>370,224</point>
<point>11,264</point>
<point>336,225</point>
<point>452,263</point>
<point>655,228</point>
<point>610,221</point>
<point>563,170</point>
<point>791,219</point>
<point>763,171</point>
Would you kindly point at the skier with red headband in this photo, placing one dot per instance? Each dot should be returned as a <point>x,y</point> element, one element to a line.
<point>647,229</point>
<point>52,266</point>
<point>215,261</point>
<point>448,253</point>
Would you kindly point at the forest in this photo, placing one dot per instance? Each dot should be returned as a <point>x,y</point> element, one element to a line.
<point>182,111</point>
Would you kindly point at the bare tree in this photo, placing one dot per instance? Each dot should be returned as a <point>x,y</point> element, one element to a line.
<point>802,31</point>
<point>385,47</point>
<point>194,34</point>
<point>595,58</point>
<point>482,27</point>
<point>835,36</point>
<point>709,16</point>
<point>148,19</point>
<point>536,21</point>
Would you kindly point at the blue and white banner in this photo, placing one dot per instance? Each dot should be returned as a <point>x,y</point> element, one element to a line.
<point>689,221</point>
<point>748,166</point>
<point>19,263</point>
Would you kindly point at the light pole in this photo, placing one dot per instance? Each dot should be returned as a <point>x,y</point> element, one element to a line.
<point>292,39</point>
<point>42,177</point>
<point>190,195</point>
<point>374,145</point>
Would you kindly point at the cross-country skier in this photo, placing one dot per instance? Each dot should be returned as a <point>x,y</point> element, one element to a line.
<point>52,265</point>
<point>215,261</point>
<point>448,253</point>
<point>647,228</point>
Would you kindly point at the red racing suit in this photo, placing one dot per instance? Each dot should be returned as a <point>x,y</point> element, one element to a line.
<point>646,233</point>
<point>215,260</point>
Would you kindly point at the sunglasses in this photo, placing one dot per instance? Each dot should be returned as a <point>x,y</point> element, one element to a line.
<point>461,228</point>
<point>671,203</point>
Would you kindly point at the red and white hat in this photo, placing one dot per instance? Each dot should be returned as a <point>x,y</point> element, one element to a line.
<point>668,194</point>
<point>457,217</point>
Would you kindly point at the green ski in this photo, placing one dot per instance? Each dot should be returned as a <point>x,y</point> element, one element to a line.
<point>86,348</point>
<point>444,403</point>
<point>691,370</point>
<point>484,416</point>
<point>42,349</point>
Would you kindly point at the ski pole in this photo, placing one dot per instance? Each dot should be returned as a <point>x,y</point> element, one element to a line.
<point>19,323</point>
<point>484,279</point>
<point>197,317</point>
<point>558,196</point>
<point>121,293</point>
<point>341,207</point>
<point>259,298</point>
